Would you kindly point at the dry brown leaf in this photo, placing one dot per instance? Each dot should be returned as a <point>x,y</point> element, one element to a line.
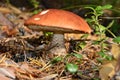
<point>115,50</point>
<point>107,70</point>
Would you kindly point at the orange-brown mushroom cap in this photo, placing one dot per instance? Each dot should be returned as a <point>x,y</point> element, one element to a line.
<point>58,20</point>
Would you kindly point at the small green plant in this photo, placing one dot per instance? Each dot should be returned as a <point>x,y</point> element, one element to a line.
<point>34,3</point>
<point>79,56</point>
<point>71,67</point>
<point>104,54</point>
<point>95,21</point>
<point>56,59</point>
<point>117,40</point>
<point>100,30</point>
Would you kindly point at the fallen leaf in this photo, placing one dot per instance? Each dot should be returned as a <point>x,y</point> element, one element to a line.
<point>107,70</point>
<point>115,50</point>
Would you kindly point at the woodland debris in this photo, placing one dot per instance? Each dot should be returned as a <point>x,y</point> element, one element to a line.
<point>4,21</point>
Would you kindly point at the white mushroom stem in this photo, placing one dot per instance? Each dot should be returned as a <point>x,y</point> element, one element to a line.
<point>58,44</point>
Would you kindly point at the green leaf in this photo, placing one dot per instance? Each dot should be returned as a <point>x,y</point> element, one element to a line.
<point>107,6</point>
<point>34,3</point>
<point>56,59</point>
<point>102,28</point>
<point>84,36</point>
<point>48,33</point>
<point>89,20</point>
<point>117,39</point>
<point>109,57</point>
<point>102,54</point>
<point>93,17</point>
<point>96,42</point>
<point>78,55</point>
<point>36,11</point>
<point>98,8</point>
<point>73,68</point>
<point>82,45</point>
<point>99,13</point>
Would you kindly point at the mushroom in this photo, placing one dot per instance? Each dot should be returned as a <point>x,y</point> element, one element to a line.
<point>59,22</point>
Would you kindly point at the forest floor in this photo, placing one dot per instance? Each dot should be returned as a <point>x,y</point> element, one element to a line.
<point>23,53</point>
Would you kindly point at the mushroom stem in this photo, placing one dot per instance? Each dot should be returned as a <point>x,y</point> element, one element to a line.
<point>57,44</point>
